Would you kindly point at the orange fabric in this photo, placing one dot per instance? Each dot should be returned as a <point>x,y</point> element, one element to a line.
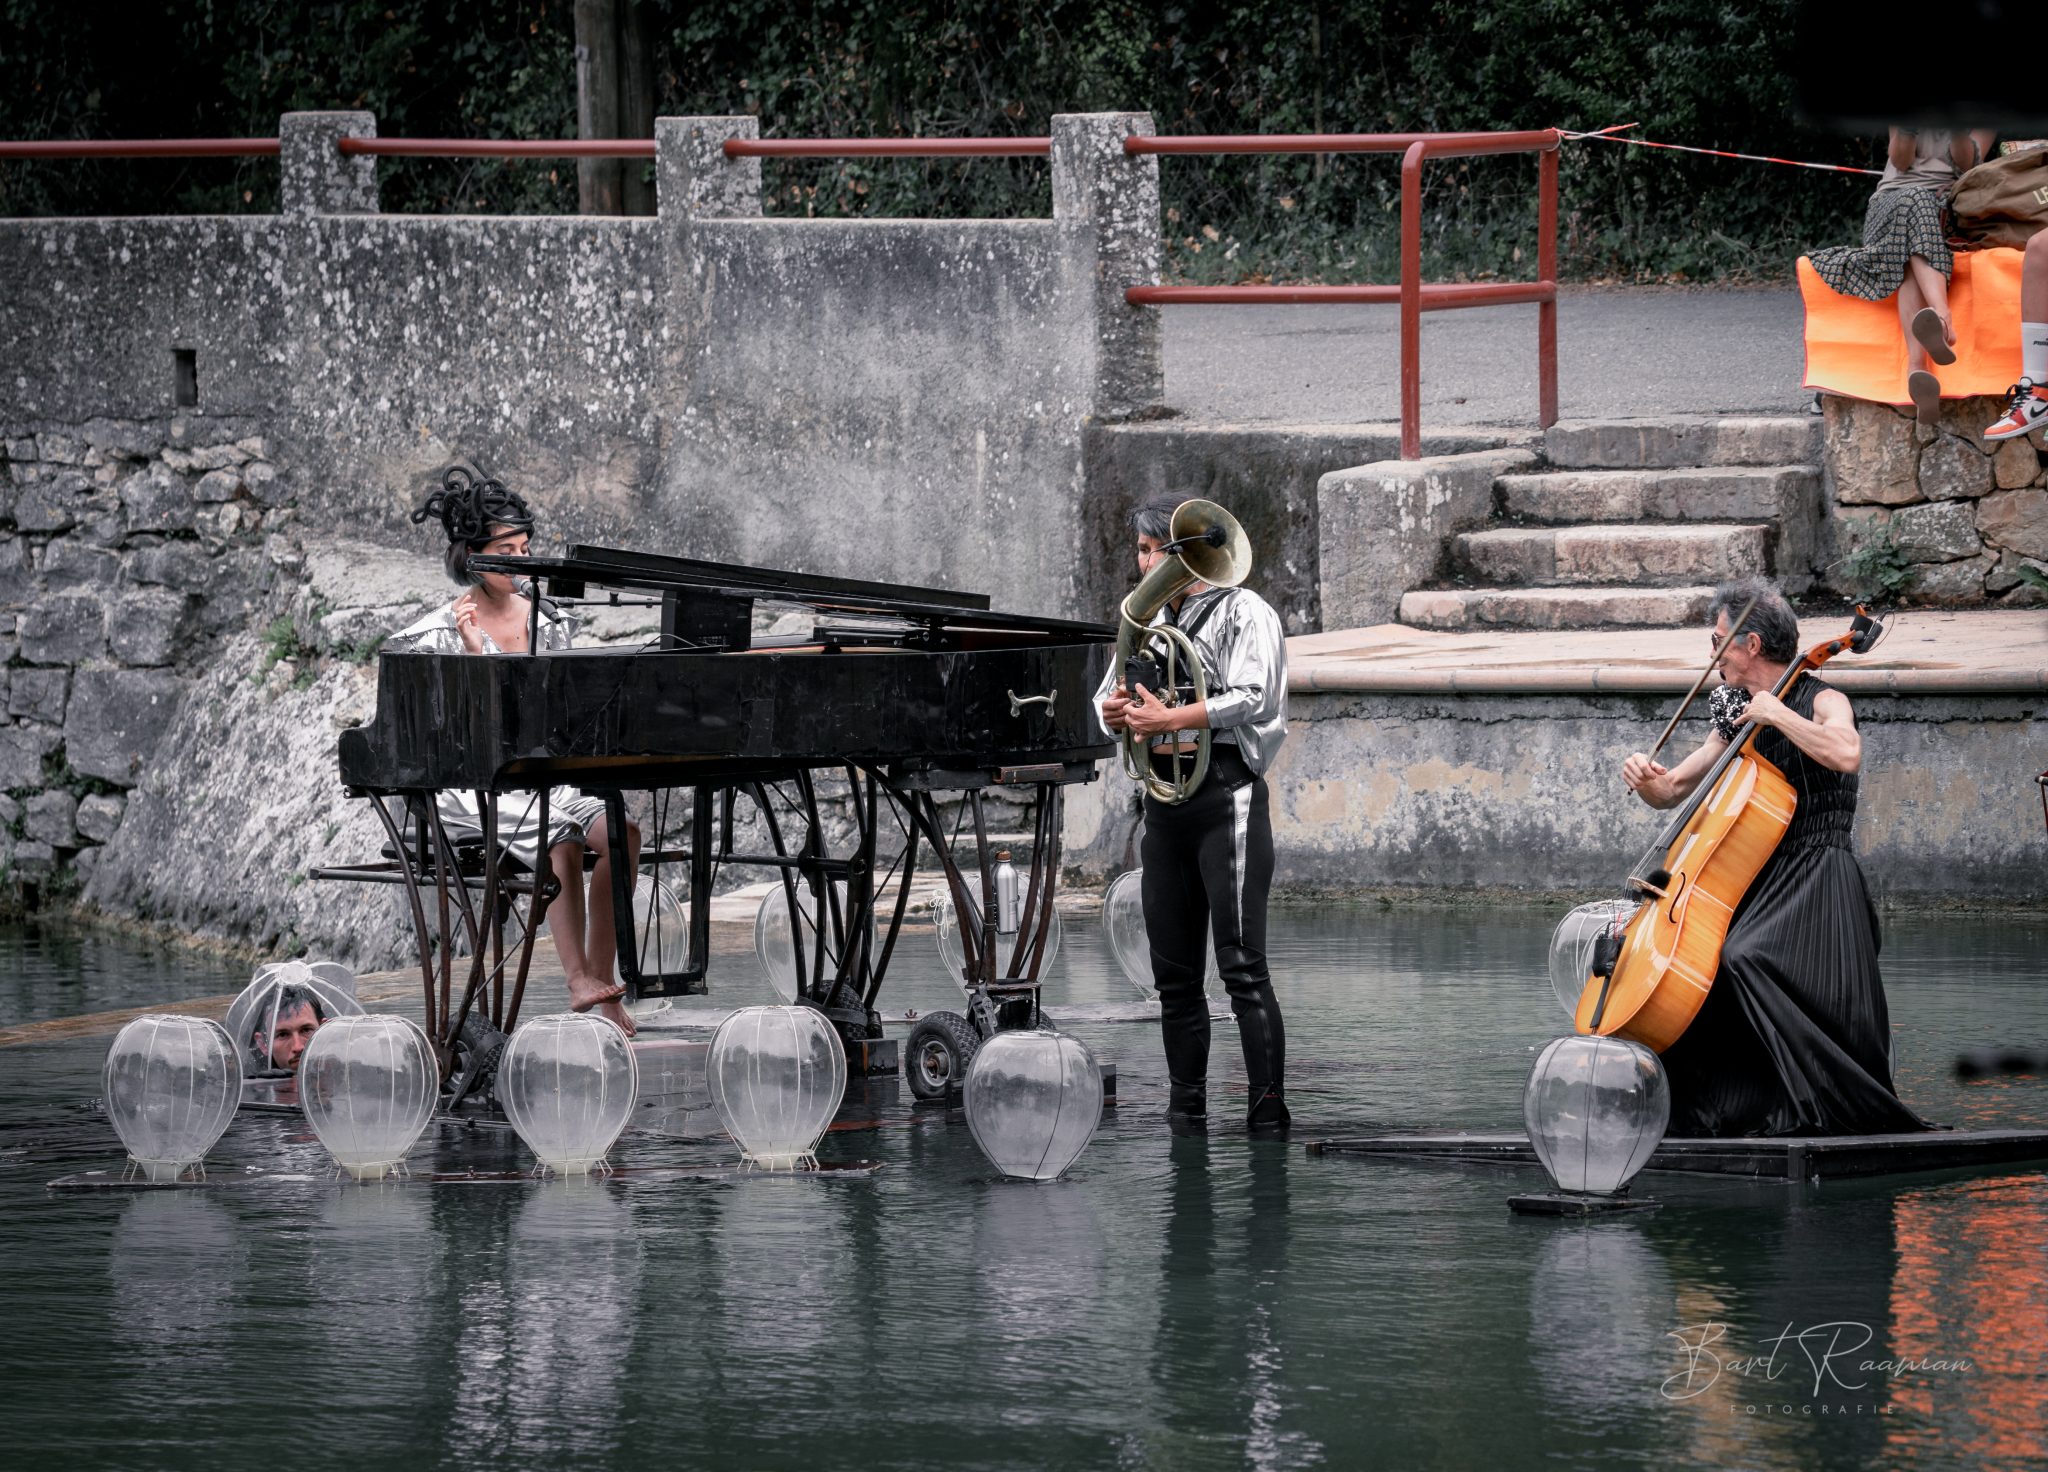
<point>1854,347</point>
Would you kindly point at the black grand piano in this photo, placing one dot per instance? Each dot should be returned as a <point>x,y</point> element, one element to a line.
<point>909,701</point>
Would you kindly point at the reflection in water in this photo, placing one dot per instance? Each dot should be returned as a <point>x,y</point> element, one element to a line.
<point>1044,1304</point>
<point>175,1260</point>
<point>1601,1302</point>
<point>376,1260</point>
<point>1973,1284</point>
<point>545,1326</point>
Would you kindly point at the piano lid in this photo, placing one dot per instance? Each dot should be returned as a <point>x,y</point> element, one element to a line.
<point>569,577</point>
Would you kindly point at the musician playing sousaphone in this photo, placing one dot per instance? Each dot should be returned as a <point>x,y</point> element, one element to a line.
<point>1208,846</point>
<point>494,614</point>
<point>1793,1038</point>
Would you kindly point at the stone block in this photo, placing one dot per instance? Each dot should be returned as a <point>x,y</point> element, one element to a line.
<point>256,447</point>
<point>48,818</point>
<point>52,503</point>
<point>39,695</point>
<point>59,449</point>
<point>314,176</point>
<point>1109,199</point>
<point>1945,584</point>
<point>17,574</point>
<point>64,628</point>
<point>147,626</point>
<point>180,565</point>
<point>83,863</point>
<point>9,811</point>
<point>218,485</point>
<point>1382,529</point>
<point>34,858</point>
<point>694,180</point>
<point>2016,463</point>
<point>1555,608</point>
<point>1683,440</point>
<point>1954,469</point>
<point>178,460</point>
<point>2006,576</point>
<point>115,720</point>
<point>265,485</point>
<point>99,815</point>
<point>1873,455</point>
<point>157,501</point>
<point>215,457</point>
<point>2015,519</point>
<point>1941,531</point>
<point>22,749</point>
<point>134,438</point>
<point>23,449</point>
<point>67,563</point>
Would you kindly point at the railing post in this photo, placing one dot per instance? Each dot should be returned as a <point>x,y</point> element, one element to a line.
<point>314,176</point>
<point>1411,300</point>
<point>1109,201</point>
<point>1546,270</point>
<point>694,179</point>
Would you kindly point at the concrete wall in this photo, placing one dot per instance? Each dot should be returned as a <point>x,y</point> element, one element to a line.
<point>1393,792</point>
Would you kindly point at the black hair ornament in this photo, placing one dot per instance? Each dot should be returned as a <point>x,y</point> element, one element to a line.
<point>470,503</point>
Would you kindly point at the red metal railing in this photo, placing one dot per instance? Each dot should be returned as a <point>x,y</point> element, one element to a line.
<point>1412,294</point>
<point>143,148</point>
<point>888,147</point>
<point>500,147</point>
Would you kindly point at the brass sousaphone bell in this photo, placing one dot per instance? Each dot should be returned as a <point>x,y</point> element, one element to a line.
<point>1205,545</point>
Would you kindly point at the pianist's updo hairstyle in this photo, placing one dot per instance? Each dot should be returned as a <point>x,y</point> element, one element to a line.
<point>1154,516</point>
<point>473,508</point>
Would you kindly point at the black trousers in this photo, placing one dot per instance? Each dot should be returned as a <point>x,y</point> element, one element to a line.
<point>1208,869</point>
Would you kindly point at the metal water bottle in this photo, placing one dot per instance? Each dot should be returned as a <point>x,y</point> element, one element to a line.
<point>1008,916</point>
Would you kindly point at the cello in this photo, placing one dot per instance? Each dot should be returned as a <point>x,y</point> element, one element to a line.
<point>1650,974</point>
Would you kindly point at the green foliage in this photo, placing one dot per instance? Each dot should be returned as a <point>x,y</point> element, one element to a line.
<point>1693,71</point>
<point>2031,576</point>
<point>1877,570</point>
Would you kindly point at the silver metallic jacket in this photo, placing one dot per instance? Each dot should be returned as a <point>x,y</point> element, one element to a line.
<point>1244,656</point>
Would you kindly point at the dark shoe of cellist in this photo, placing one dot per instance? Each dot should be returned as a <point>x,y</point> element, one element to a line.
<point>1793,1037</point>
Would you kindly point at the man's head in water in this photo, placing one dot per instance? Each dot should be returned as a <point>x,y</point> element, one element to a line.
<point>298,1016</point>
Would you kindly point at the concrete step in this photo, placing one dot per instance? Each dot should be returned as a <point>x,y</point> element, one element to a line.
<point>1712,493</point>
<point>1555,608</point>
<point>1683,440</point>
<point>1667,555</point>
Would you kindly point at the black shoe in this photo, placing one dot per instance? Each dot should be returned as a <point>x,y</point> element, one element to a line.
<point>1187,1108</point>
<point>1268,1114</point>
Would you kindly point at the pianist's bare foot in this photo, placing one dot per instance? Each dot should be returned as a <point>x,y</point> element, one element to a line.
<point>588,994</point>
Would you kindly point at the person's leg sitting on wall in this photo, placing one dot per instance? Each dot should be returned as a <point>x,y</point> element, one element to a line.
<point>2028,409</point>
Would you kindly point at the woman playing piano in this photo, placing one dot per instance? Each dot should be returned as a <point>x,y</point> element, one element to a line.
<point>492,616</point>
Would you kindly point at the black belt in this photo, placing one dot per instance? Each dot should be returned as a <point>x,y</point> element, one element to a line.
<point>1226,765</point>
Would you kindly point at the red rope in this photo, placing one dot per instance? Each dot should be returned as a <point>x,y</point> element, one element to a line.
<point>1606,135</point>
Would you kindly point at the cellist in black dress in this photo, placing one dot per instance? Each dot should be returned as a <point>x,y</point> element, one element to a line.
<point>1793,1038</point>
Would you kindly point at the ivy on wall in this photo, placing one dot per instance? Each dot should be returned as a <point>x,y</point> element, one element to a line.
<point>1696,71</point>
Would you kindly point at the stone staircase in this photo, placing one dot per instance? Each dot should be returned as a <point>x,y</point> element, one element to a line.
<point>1631,523</point>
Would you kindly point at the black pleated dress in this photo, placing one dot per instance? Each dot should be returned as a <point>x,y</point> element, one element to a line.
<point>1794,1038</point>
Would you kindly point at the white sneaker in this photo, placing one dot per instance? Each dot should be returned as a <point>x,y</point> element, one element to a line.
<point>2027,412</point>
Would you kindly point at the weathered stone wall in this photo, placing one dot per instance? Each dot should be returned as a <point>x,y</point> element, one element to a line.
<point>1943,517</point>
<point>1422,793</point>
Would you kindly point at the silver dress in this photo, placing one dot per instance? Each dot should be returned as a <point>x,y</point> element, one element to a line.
<point>1244,656</point>
<point>571,814</point>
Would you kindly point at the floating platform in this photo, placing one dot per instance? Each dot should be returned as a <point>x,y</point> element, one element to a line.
<point>119,1179</point>
<point>1792,1158</point>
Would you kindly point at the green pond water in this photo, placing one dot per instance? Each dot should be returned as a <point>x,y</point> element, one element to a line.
<point>1173,1303</point>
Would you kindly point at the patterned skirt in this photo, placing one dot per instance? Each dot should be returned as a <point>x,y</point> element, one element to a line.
<point>1899,223</point>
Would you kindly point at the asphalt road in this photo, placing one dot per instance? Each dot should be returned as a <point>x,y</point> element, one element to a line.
<point>1623,352</point>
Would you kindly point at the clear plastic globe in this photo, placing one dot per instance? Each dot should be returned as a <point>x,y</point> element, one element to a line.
<point>278,990</point>
<point>1123,921</point>
<point>1033,1102</point>
<point>1596,1109</point>
<point>778,1075</point>
<point>661,930</point>
<point>773,947</point>
<point>568,1083</point>
<point>172,1086</point>
<point>1571,946</point>
<point>1009,943</point>
<point>369,1086</point>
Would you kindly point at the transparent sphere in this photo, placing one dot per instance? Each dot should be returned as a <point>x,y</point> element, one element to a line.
<point>1123,921</point>
<point>661,930</point>
<point>1571,946</point>
<point>172,1085</point>
<point>772,944</point>
<point>1596,1109</point>
<point>946,923</point>
<point>567,1084</point>
<point>369,1086</point>
<point>277,991</point>
<point>1033,1101</point>
<point>778,1075</point>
